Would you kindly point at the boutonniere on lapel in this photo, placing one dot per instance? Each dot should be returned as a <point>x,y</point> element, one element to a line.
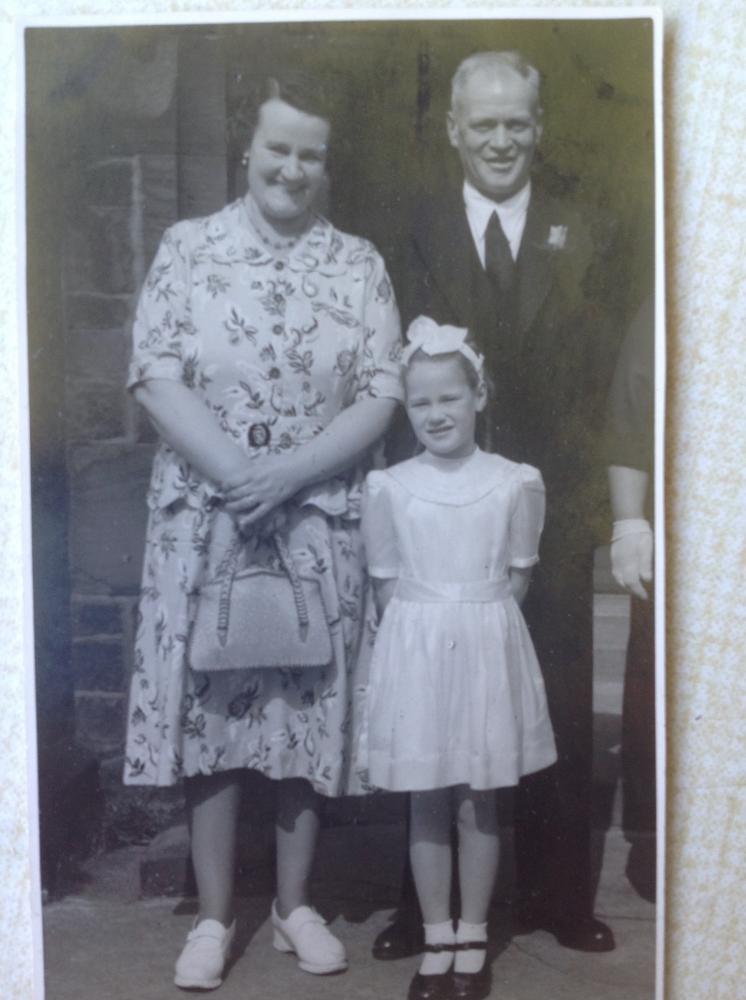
<point>556,239</point>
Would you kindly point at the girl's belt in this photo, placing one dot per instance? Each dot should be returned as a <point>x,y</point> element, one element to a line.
<point>474,591</point>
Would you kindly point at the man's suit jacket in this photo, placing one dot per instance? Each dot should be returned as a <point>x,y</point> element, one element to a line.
<point>550,360</point>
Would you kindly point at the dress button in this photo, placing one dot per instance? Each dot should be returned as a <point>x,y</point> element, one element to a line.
<point>279,266</point>
<point>451,643</point>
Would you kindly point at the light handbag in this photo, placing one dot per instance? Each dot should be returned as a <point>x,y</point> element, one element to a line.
<point>259,617</point>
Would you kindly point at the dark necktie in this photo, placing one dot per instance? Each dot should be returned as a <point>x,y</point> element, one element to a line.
<point>498,260</point>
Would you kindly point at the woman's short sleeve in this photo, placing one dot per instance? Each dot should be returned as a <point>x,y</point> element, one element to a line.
<point>378,371</point>
<point>379,534</point>
<point>161,319</point>
<point>527,519</point>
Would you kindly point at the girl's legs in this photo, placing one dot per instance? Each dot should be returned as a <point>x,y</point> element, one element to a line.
<point>477,863</point>
<point>430,852</point>
<point>479,851</point>
<point>430,856</point>
<point>212,812</point>
<point>297,832</point>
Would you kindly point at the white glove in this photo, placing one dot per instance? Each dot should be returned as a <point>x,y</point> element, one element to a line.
<point>632,554</point>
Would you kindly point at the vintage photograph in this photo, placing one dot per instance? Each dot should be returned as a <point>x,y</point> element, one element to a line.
<point>345,357</point>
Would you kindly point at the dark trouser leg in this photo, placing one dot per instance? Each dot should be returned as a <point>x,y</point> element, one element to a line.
<point>638,722</point>
<point>408,901</point>
<point>638,749</point>
<point>553,807</point>
<point>403,936</point>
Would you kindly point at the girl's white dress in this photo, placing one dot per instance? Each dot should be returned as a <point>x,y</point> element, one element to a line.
<point>456,695</point>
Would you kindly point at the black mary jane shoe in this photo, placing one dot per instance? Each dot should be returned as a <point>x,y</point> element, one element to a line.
<point>472,985</point>
<point>432,987</point>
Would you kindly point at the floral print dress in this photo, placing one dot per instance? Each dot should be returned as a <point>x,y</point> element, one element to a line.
<point>275,348</point>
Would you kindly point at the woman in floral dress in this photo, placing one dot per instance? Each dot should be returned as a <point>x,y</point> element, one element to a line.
<point>266,349</point>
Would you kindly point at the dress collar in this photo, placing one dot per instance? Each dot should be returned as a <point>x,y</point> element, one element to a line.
<point>231,233</point>
<point>453,482</point>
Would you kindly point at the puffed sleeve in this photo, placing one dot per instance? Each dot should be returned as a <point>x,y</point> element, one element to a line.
<point>161,320</point>
<point>379,534</point>
<point>527,519</point>
<point>378,364</point>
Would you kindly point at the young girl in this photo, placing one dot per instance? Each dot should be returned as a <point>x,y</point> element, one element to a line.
<point>456,704</point>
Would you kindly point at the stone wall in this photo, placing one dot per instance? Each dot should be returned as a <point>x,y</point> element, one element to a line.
<point>128,180</point>
<point>126,201</point>
<point>110,444</point>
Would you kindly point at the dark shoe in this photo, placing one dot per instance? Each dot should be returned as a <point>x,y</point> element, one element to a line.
<point>472,985</point>
<point>403,938</point>
<point>640,868</point>
<point>431,987</point>
<point>577,933</point>
<point>584,934</point>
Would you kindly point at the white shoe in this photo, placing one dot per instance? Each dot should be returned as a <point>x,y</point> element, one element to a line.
<point>202,960</point>
<point>304,932</point>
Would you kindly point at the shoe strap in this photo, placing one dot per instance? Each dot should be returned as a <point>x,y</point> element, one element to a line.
<point>210,929</point>
<point>304,915</point>
<point>436,949</point>
<point>470,946</point>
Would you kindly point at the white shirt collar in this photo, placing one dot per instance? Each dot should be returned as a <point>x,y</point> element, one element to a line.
<point>511,212</point>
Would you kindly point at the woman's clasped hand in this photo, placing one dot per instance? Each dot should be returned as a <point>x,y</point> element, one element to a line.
<point>263,485</point>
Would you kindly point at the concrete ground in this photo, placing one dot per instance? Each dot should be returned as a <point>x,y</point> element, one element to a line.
<point>106,943</point>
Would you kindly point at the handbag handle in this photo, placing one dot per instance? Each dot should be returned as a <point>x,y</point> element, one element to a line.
<point>301,607</point>
<point>226,586</point>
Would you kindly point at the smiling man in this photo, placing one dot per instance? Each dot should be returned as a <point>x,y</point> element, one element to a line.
<point>495,124</point>
<point>538,283</point>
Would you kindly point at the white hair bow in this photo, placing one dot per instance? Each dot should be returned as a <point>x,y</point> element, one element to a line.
<point>425,335</point>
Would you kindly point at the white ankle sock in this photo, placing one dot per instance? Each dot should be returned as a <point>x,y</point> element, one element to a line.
<point>437,963</point>
<point>472,959</point>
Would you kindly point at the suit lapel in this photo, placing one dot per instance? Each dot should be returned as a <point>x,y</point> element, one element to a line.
<point>535,264</point>
<point>445,245</point>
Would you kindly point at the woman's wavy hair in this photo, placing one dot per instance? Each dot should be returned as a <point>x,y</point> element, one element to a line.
<point>300,89</point>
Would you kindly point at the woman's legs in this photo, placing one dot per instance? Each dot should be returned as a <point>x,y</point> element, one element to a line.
<point>212,808</point>
<point>297,832</point>
<point>298,930</point>
<point>212,812</point>
<point>478,856</point>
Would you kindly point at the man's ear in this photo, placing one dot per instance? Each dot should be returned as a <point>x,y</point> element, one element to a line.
<point>452,129</point>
